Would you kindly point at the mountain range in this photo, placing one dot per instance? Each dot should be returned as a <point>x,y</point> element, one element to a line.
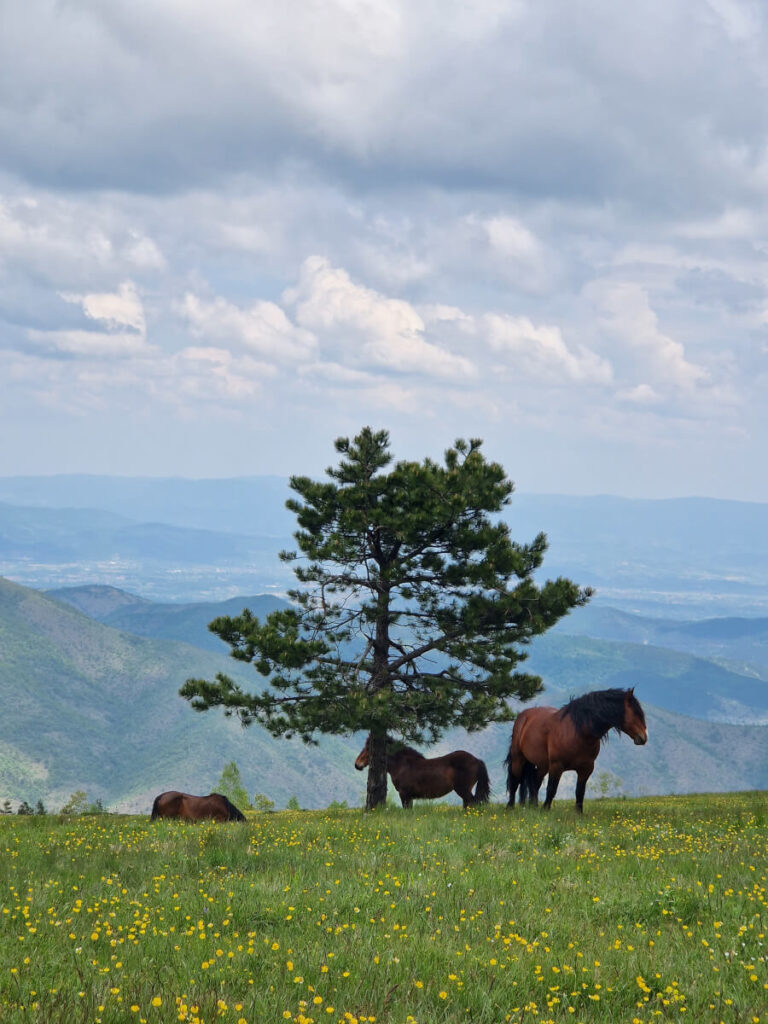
<point>188,540</point>
<point>89,678</point>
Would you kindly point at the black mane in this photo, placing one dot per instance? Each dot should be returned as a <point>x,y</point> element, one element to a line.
<point>235,814</point>
<point>397,749</point>
<point>599,712</point>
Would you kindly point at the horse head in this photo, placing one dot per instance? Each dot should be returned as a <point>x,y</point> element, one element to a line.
<point>634,719</point>
<point>362,759</point>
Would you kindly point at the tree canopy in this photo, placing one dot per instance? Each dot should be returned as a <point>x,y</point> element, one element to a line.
<point>413,607</point>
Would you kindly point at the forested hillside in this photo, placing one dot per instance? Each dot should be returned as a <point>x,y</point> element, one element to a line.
<point>86,706</point>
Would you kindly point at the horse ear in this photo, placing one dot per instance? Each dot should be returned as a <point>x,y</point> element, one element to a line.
<point>631,691</point>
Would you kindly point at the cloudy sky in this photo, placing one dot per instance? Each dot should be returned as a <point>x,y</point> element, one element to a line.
<point>232,232</point>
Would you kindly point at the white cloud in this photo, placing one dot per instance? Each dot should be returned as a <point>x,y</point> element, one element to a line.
<point>43,235</point>
<point>740,20</point>
<point>729,224</point>
<point>628,319</point>
<point>115,310</point>
<point>541,351</point>
<point>643,394</point>
<point>143,253</point>
<point>88,344</point>
<point>211,375</point>
<point>262,328</point>
<point>121,317</point>
<point>518,253</point>
<point>368,329</point>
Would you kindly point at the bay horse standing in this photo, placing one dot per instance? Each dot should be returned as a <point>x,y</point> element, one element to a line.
<point>551,741</point>
<point>416,777</point>
<point>195,808</point>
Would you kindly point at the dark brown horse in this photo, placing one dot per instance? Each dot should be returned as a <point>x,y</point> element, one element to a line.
<point>195,808</point>
<point>555,740</point>
<point>416,777</point>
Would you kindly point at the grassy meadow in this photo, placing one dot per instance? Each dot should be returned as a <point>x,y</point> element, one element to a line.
<point>645,910</point>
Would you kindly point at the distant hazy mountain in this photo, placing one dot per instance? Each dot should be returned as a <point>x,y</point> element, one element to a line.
<point>61,535</point>
<point>730,639</point>
<point>244,505</point>
<point>686,557</point>
<point>187,623</point>
<point>47,547</point>
<point>184,540</point>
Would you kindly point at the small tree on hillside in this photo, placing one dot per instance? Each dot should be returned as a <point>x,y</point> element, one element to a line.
<point>77,803</point>
<point>414,608</point>
<point>231,785</point>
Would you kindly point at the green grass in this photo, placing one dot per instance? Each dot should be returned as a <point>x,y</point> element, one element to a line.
<point>643,910</point>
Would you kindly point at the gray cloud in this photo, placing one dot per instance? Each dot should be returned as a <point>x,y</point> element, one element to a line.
<point>542,223</point>
<point>660,106</point>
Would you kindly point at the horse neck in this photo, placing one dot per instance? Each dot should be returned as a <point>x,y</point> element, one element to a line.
<point>593,723</point>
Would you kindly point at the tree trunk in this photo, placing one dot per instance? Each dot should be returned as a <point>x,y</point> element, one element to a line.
<point>377,771</point>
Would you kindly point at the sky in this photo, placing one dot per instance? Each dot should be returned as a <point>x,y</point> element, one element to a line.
<point>232,232</point>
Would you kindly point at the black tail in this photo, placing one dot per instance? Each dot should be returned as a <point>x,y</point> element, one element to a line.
<point>508,762</point>
<point>234,813</point>
<point>483,787</point>
<point>528,788</point>
<point>153,815</point>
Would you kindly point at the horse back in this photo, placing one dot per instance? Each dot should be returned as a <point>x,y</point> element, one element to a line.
<point>167,805</point>
<point>460,760</point>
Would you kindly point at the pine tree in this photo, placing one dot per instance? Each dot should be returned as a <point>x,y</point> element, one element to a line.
<point>413,611</point>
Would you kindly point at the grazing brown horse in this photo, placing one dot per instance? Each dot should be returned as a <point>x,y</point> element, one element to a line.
<point>416,777</point>
<point>195,808</point>
<point>555,740</point>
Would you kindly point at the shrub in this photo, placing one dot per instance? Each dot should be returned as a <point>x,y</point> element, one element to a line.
<point>77,803</point>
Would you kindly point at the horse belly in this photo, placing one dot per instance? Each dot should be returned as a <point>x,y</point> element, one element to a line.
<point>433,788</point>
<point>425,785</point>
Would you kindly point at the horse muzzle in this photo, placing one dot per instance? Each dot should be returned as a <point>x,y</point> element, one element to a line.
<point>640,741</point>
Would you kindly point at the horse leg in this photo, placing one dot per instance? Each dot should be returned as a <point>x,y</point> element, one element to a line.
<point>535,780</point>
<point>555,771</point>
<point>513,782</point>
<point>515,770</point>
<point>405,799</point>
<point>465,792</point>
<point>581,785</point>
